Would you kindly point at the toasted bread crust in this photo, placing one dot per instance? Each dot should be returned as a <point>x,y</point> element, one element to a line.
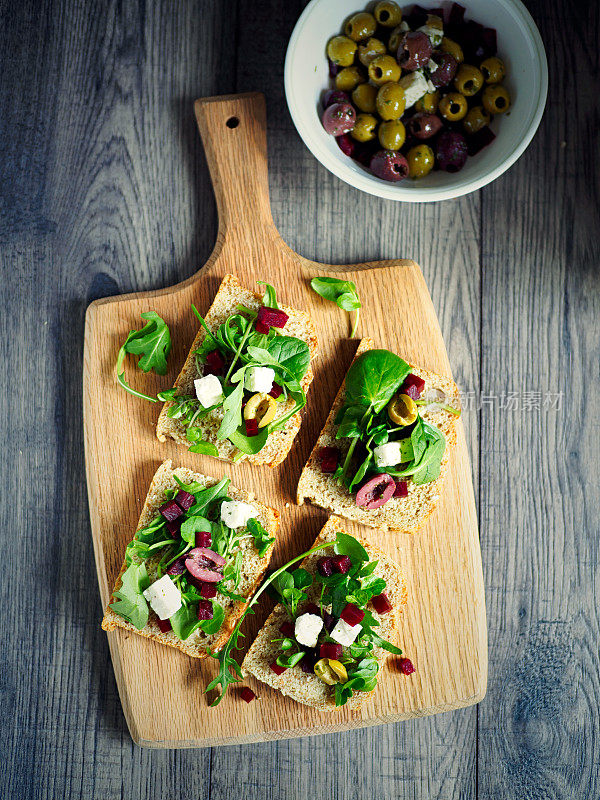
<point>399,515</point>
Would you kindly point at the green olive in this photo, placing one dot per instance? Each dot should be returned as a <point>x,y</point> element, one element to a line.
<point>395,37</point>
<point>453,48</point>
<point>392,134</point>
<point>428,103</point>
<point>262,408</point>
<point>493,69</point>
<point>384,69</point>
<point>330,671</point>
<point>360,26</point>
<point>496,100</point>
<point>388,13</point>
<point>391,101</point>
<point>370,50</point>
<point>420,163</point>
<point>348,78</point>
<point>401,408</point>
<point>453,106</point>
<point>341,51</point>
<point>468,80</point>
<point>476,119</point>
<point>364,97</point>
<point>364,128</point>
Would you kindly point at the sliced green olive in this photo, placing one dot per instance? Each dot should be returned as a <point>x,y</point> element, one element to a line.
<point>262,408</point>
<point>331,671</point>
<point>402,410</point>
<point>339,669</point>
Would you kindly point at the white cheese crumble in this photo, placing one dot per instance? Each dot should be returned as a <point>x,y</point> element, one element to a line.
<point>415,86</point>
<point>307,629</point>
<point>236,513</point>
<point>164,597</point>
<point>259,379</point>
<point>209,390</point>
<point>345,634</point>
<point>388,455</point>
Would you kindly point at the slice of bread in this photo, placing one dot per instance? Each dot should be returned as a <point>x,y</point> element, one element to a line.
<point>278,444</point>
<point>400,514</point>
<point>308,688</point>
<point>252,571</point>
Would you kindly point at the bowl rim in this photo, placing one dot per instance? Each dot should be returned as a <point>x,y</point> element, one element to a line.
<point>375,186</point>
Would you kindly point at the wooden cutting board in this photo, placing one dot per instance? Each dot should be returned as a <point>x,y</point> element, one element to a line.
<point>443,627</point>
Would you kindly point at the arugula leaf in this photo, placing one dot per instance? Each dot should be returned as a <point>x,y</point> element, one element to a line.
<point>262,540</point>
<point>131,603</point>
<point>152,343</point>
<point>205,495</point>
<point>232,406</point>
<point>270,295</point>
<point>346,545</point>
<point>342,293</point>
<point>373,378</point>
<point>291,660</point>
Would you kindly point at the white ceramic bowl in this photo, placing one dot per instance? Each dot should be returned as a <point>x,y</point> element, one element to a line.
<point>519,45</point>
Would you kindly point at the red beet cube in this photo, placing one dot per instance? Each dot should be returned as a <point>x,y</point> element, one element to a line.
<point>247,694</point>
<point>164,625</point>
<point>173,527</point>
<point>277,669</point>
<point>205,609</point>
<point>352,614</point>
<point>203,539</point>
<point>325,566</point>
<point>413,386</point>
<point>406,666</point>
<point>184,499</point>
<point>214,363</point>
<point>331,650</point>
<point>271,317</point>
<point>381,603</point>
<point>208,590</point>
<point>341,564</point>
<point>457,14</point>
<point>401,489</point>
<point>329,458</point>
<point>170,510</point>
<point>312,608</point>
<point>177,567</point>
<point>276,390</point>
<point>261,327</point>
<point>287,629</point>
<point>251,427</point>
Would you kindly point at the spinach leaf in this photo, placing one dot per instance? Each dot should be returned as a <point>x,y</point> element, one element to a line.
<point>302,578</point>
<point>185,621</point>
<point>373,378</point>
<point>193,525</point>
<point>350,422</point>
<point>210,626</point>
<point>270,295</point>
<point>249,444</point>
<point>194,435</point>
<point>232,406</point>
<point>262,540</point>
<point>291,660</point>
<point>131,603</point>
<point>346,545</point>
<point>342,293</point>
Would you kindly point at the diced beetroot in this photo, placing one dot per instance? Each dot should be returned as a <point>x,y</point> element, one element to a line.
<point>325,566</point>
<point>457,14</point>
<point>173,527</point>
<point>170,510</point>
<point>184,499</point>
<point>177,567</point>
<point>341,564</point>
<point>271,317</point>
<point>328,621</point>
<point>287,629</point>
<point>203,539</point>
<point>276,390</point>
<point>352,614</point>
<point>277,669</point>
<point>251,427</point>
<point>214,363</point>
<point>247,694</point>
<point>416,17</point>
<point>413,386</point>
<point>205,609</point>
<point>477,141</point>
<point>312,608</point>
<point>329,458</point>
<point>310,659</point>
<point>406,666</point>
<point>346,144</point>
<point>261,327</point>
<point>401,489</point>
<point>489,40</point>
<point>208,590</point>
<point>331,650</point>
<point>164,625</point>
<point>381,603</point>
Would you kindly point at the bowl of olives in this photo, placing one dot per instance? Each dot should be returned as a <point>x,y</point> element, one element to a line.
<point>416,103</point>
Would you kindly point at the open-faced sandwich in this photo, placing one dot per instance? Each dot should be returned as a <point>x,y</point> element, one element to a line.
<point>325,643</point>
<point>200,551</point>
<point>381,457</point>
<point>245,380</point>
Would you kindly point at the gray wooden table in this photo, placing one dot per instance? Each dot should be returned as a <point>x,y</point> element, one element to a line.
<point>104,189</point>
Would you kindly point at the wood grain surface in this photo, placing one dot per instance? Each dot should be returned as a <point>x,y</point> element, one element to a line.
<point>443,625</point>
<point>104,189</point>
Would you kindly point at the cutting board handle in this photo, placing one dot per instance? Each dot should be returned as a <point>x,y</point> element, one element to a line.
<point>233,129</point>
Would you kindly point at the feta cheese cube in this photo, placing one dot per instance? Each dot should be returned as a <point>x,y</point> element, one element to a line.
<point>415,86</point>
<point>345,634</point>
<point>307,629</point>
<point>236,513</point>
<point>434,29</point>
<point>388,455</point>
<point>259,379</point>
<point>209,390</point>
<point>164,597</point>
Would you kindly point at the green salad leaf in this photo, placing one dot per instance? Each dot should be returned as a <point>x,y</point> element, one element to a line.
<point>153,344</point>
<point>373,379</point>
<point>131,603</point>
<point>342,293</point>
<point>262,540</point>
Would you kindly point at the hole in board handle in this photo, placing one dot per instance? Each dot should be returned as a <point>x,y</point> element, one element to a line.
<point>232,122</point>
